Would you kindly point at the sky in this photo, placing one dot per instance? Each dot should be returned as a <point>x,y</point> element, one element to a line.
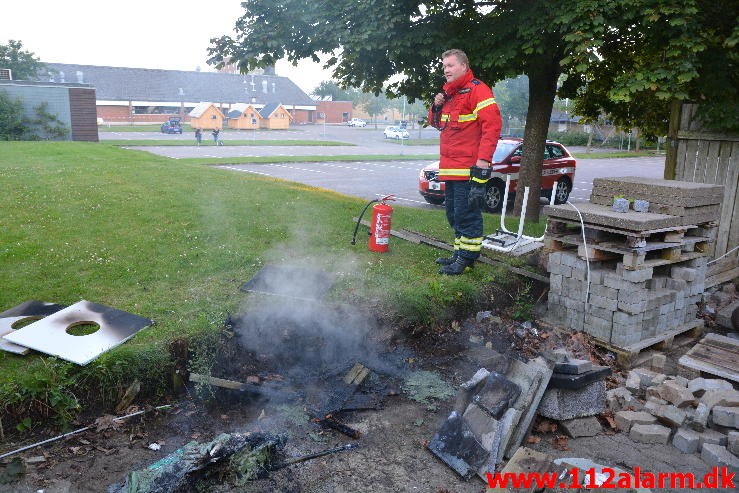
<point>172,35</point>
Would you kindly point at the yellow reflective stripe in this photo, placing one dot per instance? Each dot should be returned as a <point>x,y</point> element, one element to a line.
<point>444,117</point>
<point>483,104</point>
<point>478,180</point>
<point>456,244</point>
<point>467,118</point>
<point>471,244</point>
<point>454,172</point>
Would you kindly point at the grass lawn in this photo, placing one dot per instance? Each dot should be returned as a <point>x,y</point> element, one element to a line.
<point>173,240</point>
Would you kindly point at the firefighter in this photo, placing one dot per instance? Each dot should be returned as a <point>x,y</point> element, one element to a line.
<point>469,121</point>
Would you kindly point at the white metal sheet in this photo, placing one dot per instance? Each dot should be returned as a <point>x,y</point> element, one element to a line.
<point>6,327</point>
<point>49,335</point>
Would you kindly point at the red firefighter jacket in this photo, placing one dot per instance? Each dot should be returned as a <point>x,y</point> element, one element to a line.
<point>470,126</point>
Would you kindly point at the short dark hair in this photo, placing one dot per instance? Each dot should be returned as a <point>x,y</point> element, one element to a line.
<point>461,56</point>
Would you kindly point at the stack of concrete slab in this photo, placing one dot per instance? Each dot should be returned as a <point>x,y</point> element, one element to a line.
<point>693,203</point>
<point>636,276</point>
<point>492,415</point>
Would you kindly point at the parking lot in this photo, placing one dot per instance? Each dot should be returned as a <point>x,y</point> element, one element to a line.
<point>365,179</point>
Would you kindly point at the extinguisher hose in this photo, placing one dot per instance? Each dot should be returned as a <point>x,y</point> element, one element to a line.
<point>356,228</point>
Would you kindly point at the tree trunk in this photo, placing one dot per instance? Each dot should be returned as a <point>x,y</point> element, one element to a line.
<point>543,73</point>
<point>590,137</point>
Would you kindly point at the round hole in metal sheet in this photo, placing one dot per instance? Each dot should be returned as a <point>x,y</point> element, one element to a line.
<point>82,328</point>
<point>19,324</point>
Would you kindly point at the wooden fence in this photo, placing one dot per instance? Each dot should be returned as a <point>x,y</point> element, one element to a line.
<point>699,155</point>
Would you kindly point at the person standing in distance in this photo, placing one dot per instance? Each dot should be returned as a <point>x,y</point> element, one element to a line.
<point>469,120</point>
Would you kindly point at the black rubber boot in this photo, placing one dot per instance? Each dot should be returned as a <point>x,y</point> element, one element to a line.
<point>460,265</point>
<point>447,260</point>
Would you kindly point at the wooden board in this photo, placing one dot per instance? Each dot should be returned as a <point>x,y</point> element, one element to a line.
<point>714,354</point>
<point>628,355</point>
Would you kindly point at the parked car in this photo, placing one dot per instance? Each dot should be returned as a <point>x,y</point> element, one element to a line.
<point>558,165</point>
<point>357,122</point>
<point>396,133</point>
<point>172,126</point>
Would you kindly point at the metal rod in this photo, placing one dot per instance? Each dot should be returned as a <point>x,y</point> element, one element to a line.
<point>316,455</point>
<point>17,451</point>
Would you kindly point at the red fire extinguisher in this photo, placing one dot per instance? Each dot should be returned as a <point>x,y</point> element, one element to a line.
<point>379,233</point>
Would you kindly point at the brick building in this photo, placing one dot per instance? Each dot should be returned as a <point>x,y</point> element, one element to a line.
<point>137,95</point>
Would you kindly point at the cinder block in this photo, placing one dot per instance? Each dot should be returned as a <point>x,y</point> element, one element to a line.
<point>699,386</point>
<point>622,319</point>
<point>572,260</point>
<point>638,275</point>
<point>581,427</point>
<point>733,442</point>
<point>605,303</point>
<point>560,269</point>
<point>572,304</point>
<point>633,308</point>
<point>656,282</point>
<point>718,456</point>
<point>624,336</point>
<point>673,392</point>
<point>626,419</point>
<point>620,398</point>
<point>604,291</point>
<point>686,441</point>
<point>712,437</point>
<point>555,283</point>
<point>596,276</point>
<point>669,414</point>
<point>579,274</point>
<point>684,273</point>
<point>596,311</point>
<point>555,258</point>
<point>650,434</point>
<point>697,288</point>
<point>725,416</point>
<point>597,327</point>
<point>612,280</point>
<point>633,295</point>
<point>573,286</point>
<point>676,284</point>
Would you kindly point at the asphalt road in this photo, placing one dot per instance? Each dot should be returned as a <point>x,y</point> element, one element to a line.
<point>365,179</point>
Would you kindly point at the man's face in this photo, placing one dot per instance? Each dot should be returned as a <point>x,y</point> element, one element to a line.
<point>453,69</point>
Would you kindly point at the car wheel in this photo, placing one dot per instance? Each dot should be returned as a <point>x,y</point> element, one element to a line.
<point>494,197</point>
<point>564,186</point>
<point>434,200</point>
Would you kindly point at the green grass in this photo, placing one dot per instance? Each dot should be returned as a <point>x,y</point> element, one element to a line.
<point>173,240</point>
<point>227,142</point>
<point>310,159</point>
<point>614,155</point>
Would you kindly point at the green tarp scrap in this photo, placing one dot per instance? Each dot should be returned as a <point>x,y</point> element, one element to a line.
<point>241,456</point>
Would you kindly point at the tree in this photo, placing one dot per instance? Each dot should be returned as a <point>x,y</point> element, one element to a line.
<point>337,93</point>
<point>12,126</point>
<point>512,96</point>
<point>369,41</point>
<point>23,64</point>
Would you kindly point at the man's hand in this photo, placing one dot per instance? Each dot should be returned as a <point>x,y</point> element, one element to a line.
<point>478,178</point>
<point>439,99</point>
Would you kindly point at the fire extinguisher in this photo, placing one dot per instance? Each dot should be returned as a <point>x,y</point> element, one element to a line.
<point>379,232</point>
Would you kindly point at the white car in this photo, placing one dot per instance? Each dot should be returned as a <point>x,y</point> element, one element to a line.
<point>396,133</point>
<point>357,122</point>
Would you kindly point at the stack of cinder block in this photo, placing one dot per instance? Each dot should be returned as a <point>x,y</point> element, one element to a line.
<point>646,269</point>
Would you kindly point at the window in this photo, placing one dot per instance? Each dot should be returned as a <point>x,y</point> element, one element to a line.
<point>556,151</point>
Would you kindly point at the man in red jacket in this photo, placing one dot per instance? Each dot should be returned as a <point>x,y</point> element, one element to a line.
<point>469,121</point>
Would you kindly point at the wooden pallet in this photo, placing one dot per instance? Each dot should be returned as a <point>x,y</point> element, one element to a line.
<point>714,354</point>
<point>629,356</point>
<point>651,254</point>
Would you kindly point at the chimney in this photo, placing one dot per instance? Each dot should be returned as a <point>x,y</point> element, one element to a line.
<point>80,79</point>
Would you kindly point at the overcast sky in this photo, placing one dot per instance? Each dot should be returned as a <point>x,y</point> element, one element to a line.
<point>172,34</point>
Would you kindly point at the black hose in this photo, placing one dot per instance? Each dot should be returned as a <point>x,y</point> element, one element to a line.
<point>356,228</point>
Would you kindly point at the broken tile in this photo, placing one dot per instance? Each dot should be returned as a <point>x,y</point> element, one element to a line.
<point>456,446</point>
<point>497,395</point>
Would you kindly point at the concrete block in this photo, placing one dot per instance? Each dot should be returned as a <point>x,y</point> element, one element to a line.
<point>602,313</point>
<point>718,456</point>
<point>581,427</point>
<point>604,291</point>
<point>650,434</point>
<point>626,419</point>
<point>573,366</point>
<point>656,282</point>
<point>613,280</point>
<point>620,398</point>
<point>725,416</point>
<point>555,283</point>
<point>686,441</point>
<point>602,302</point>
<point>555,258</point>
<point>571,259</point>
<point>625,336</point>
<point>733,442</point>
<point>696,288</point>
<point>633,382</point>
<point>670,415</point>
<point>699,386</point>
<point>622,319</point>
<point>658,361</point>
<point>579,274</point>
<point>638,275</point>
<point>700,417</point>
<point>676,394</point>
<point>597,327</point>
<point>640,205</point>
<point>684,273</point>
<point>563,404</point>
<point>632,296</point>
<point>729,398</point>
<point>712,437</point>
<point>667,308</point>
<point>573,287</point>
<point>562,270</point>
<point>633,308</point>
<point>596,276</point>
<point>647,377</point>
<point>676,284</point>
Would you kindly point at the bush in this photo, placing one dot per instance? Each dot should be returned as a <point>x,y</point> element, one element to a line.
<point>570,138</point>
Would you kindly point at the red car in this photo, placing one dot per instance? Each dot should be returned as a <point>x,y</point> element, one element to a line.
<point>559,166</point>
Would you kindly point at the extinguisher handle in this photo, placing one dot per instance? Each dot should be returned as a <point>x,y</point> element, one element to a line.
<point>388,197</point>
